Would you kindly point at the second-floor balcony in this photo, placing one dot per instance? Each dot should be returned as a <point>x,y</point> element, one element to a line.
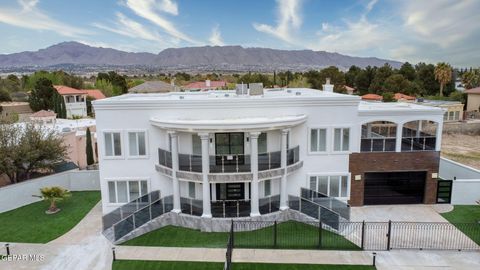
<point>231,163</point>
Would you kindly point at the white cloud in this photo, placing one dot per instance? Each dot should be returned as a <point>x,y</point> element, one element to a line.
<point>130,28</point>
<point>216,37</point>
<point>289,19</point>
<point>29,16</point>
<point>443,22</point>
<point>149,10</point>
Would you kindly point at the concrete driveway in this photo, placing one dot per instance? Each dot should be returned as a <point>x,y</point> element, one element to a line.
<point>380,213</point>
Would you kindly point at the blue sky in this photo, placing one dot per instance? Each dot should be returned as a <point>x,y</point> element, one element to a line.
<point>407,30</point>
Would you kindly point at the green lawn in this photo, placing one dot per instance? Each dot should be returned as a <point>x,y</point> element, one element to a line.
<point>290,234</point>
<point>160,265</point>
<point>30,224</point>
<point>463,214</point>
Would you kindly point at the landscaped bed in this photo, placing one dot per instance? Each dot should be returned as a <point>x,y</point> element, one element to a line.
<point>30,224</point>
<point>290,234</point>
<point>463,214</point>
<point>173,265</point>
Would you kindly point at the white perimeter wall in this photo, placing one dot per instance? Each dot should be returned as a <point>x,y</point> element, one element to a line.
<point>17,195</point>
<point>466,186</point>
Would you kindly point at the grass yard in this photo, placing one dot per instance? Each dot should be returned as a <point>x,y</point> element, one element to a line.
<point>466,214</point>
<point>160,265</point>
<point>290,235</point>
<point>30,224</point>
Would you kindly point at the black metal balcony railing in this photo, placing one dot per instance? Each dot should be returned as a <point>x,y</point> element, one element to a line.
<point>378,144</point>
<point>229,163</point>
<point>230,208</point>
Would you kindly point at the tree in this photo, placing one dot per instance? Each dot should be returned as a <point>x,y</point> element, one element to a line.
<point>378,82</point>
<point>351,75</point>
<point>426,78</point>
<point>5,96</point>
<point>443,74</point>
<point>318,78</point>
<point>28,148</point>
<point>408,71</point>
<point>89,150</point>
<point>388,97</point>
<point>396,83</point>
<point>54,195</point>
<point>41,97</point>
<point>471,79</point>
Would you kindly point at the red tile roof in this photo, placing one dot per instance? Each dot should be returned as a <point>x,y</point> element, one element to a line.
<point>203,85</point>
<point>399,96</point>
<point>473,91</point>
<point>43,113</point>
<point>65,90</point>
<point>372,97</point>
<point>95,93</point>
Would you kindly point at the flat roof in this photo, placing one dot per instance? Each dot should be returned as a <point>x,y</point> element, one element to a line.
<point>395,107</point>
<point>430,102</point>
<point>275,93</point>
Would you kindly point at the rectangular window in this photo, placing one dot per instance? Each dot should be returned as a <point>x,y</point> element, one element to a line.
<point>318,140</point>
<point>136,143</point>
<point>451,115</point>
<point>331,186</point>
<point>196,145</point>
<point>191,190</point>
<point>457,116</point>
<point>113,145</point>
<point>445,116</point>
<point>262,143</point>
<point>341,139</point>
<point>126,191</point>
<point>268,187</point>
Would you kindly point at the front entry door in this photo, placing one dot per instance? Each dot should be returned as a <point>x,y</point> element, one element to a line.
<point>229,148</point>
<point>230,191</point>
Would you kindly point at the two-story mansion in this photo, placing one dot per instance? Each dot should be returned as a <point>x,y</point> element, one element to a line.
<point>233,153</point>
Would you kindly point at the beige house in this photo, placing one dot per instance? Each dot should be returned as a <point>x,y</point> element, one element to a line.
<point>473,100</point>
<point>453,109</point>
<point>10,110</point>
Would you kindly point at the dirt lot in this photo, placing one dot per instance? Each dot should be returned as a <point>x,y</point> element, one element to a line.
<point>462,148</point>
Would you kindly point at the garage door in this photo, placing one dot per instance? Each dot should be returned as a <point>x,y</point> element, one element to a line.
<point>394,187</point>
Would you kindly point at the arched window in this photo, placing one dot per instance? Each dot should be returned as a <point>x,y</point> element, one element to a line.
<point>419,135</point>
<point>378,136</point>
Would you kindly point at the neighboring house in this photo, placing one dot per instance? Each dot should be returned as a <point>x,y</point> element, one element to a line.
<point>93,94</point>
<point>473,99</point>
<point>372,97</point>
<point>43,117</point>
<point>206,85</point>
<point>10,110</point>
<point>75,100</point>
<point>399,97</point>
<point>224,148</point>
<point>153,87</point>
<point>453,109</point>
<point>350,90</point>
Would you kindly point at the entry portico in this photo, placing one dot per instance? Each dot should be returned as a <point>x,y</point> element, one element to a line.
<point>233,165</point>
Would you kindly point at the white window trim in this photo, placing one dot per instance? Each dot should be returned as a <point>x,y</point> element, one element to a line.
<point>347,174</point>
<point>332,133</point>
<point>119,179</point>
<point>328,142</point>
<point>127,143</point>
<point>122,146</point>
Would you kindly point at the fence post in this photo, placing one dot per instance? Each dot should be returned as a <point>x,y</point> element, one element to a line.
<point>7,247</point>
<point>113,254</point>
<point>232,233</point>
<point>275,234</point>
<point>320,234</point>
<point>389,234</point>
<point>363,235</point>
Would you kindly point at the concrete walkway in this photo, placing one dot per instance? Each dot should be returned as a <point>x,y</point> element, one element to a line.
<point>83,247</point>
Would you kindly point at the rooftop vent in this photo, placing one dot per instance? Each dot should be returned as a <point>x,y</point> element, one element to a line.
<point>289,91</point>
<point>327,87</point>
<point>298,93</point>
<point>256,89</point>
<point>241,89</point>
<point>181,97</point>
<point>227,95</point>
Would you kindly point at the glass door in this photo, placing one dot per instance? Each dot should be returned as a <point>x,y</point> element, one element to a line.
<point>229,148</point>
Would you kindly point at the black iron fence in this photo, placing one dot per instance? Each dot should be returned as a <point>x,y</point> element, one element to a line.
<point>229,253</point>
<point>356,235</point>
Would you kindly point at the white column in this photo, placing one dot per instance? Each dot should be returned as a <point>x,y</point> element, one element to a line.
<point>283,164</point>
<point>419,128</point>
<point>254,211</point>
<point>207,213</point>
<point>176,185</point>
<point>398,143</point>
<point>438,140</point>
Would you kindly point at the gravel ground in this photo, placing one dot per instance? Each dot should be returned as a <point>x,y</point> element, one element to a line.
<point>462,148</point>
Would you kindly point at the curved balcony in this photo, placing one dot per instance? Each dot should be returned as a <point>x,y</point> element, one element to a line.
<point>236,163</point>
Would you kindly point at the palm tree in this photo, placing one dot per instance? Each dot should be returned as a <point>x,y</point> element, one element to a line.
<point>443,74</point>
<point>53,195</point>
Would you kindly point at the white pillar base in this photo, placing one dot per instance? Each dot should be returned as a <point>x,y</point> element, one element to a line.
<point>257,214</point>
<point>283,208</point>
<point>178,211</point>
<point>206,216</point>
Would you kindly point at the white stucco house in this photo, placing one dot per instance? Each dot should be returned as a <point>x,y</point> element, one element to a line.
<point>231,153</point>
